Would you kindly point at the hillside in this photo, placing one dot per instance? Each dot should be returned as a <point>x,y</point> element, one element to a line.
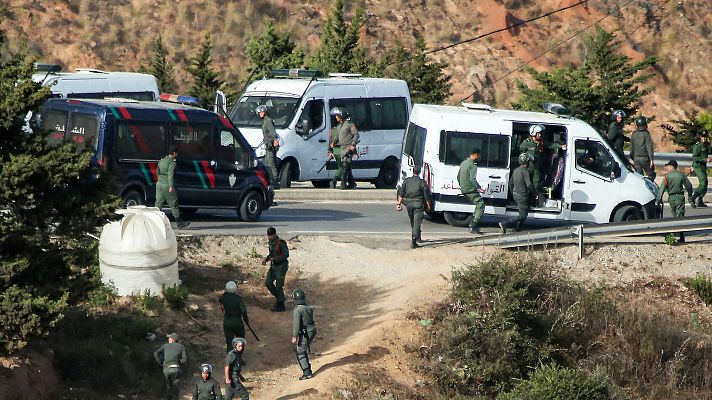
<point>117,35</point>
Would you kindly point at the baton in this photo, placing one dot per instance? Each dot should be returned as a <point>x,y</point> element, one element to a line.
<point>253,332</point>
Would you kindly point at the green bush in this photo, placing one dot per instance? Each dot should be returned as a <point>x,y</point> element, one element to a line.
<point>175,296</point>
<point>551,382</point>
<point>701,286</point>
<point>22,314</point>
<point>146,302</point>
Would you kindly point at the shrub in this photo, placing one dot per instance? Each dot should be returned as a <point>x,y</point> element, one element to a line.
<point>146,302</point>
<point>555,383</point>
<point>701,286</point>
<point>175,296</point>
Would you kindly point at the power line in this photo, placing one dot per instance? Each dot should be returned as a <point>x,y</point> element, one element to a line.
<point>508,27</point>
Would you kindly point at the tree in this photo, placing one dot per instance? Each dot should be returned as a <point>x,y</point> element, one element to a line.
<point>604,82</point>
<point>206,79</point>
<point>273,49</point>
<point>685,134</point>
<point>50,196</point>
<point>340,50</point>
<point>161,69</point>
<point>426,80</point>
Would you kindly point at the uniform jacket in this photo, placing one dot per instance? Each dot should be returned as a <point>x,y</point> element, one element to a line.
<point>279,250</point>
<point>675,183</point>
<point>207,390</point>
<point>467,177</point>
<point>234,306</point>
<point>520,183</point>
<point>166,170</point>
<point>235,363</point>
<point>615,135</point>
<point>641,145</point>
<point>532,148</point>
<point>170,354</point>
<point>414,191</point>
<point>700,152</point>
<point>269,134</point>
<point>346,135</point>
<point>302,318</point>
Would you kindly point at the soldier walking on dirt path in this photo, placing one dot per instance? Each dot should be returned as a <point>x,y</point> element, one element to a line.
<point>233,371</point>
<point>467,179</point>
<point>414,193</point>
<point>278,258</point>
<point>303,331</point>
<point>234,313</point>
<point>676,184</point>
<point>171,356</point>
<point>205,387</point>
<point>700,158</point>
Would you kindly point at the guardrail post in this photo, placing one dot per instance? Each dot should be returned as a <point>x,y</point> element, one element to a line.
<point>578,231</point>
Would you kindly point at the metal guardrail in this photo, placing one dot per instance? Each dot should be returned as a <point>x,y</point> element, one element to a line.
<point>683,159</point>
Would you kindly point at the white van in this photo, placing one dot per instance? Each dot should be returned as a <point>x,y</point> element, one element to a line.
<point>591,184</point>
<point>86,83</point>
<point>300,108</point>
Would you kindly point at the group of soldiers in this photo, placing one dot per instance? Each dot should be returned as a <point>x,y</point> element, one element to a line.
<point>172,356</point>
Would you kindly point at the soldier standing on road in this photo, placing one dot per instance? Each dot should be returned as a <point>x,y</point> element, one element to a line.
<point>170,356</point>
<point>676,184</point>
<point>522,190</point>
<point>205,387</point>
<point>278,258</point>
<point>641,148</point>
<point>467,178</point>
<point>700,157</point>
<point>534,146</point>
<point>233,371</point>
<point>616,137</point>
<point>346,137</point>
<point>234,313</point>
<point>303,331</point>
<point>269,138</point>
<point>165,187</point>
<point>414,192</point>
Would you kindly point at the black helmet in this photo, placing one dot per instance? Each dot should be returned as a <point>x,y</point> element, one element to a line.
<point>641,122</point>
<point>298,294</point>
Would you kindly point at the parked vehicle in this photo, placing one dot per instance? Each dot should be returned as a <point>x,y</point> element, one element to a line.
<point>591,184</point>
<point>299,107</point>
<point>216,168</point>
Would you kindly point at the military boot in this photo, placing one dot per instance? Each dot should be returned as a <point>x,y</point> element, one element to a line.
<point>475,229</point>
<point>278,306</point>
<point>700,202</point>
<point>306,375</point>
<point>181,223</point>
<point>682,237</point>
<point>332,184</point>
<point>419,239</point>
<point>502,228</point>
<point>693,200</point>
<point>414,244</point>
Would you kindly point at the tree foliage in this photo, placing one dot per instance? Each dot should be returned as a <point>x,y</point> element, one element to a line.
<point>206,80</point>
<point>685,133</point>
<point>273,49</point>
<point>605,81</point>
<point>50,196</point>
<point>161,68</point>
<point>340,50</point>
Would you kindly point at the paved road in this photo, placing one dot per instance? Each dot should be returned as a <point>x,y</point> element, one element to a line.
<point>343,219</point>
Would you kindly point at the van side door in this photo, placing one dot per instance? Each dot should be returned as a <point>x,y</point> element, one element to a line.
<point>591,189</point>
<point>231,168</point>
<point>195,174</point>
<point>313,150</point>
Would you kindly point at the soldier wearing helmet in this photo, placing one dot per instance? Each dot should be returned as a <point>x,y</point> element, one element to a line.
<point>415,194</point>
<point>271,142</point>
<point>171,356</point>
<point>616,137</point>
<point>233,371</point>
<point>345,136</point>
<point>303,331</point>
<point>522,189</point>
<point>234,313</point>
<point>534,146</point>
<point>700,157</point>
<point>205,387</point>
<point>641,148</point>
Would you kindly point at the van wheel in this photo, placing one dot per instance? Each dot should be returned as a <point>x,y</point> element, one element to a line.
<point>321,184</point>
<point>285,175</point>
<point>133,198</point>
<point>388,176</point>
<point>251,207</point>
<point>627,213</point>
<point>458,219</point>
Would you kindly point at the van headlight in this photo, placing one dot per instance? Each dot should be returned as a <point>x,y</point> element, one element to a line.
<point>652,186</point>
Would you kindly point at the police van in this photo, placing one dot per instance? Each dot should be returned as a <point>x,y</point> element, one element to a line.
<point>216,167</point>
<point>583,178</point>
<point>299,105</point>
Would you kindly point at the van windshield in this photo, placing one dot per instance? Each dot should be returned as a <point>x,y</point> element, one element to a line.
<point>281,110</point>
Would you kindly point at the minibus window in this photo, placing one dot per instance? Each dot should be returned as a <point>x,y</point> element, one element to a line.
<point>388,113</point>
<point>312,117</point>
<point>145,141</point>
<point>84,131</point>
<point>56,123</point>
<point>415,143</point>
<point>358,110</point>
<point>456,146</point>
<point>593,157</point>
<point>193,141</point>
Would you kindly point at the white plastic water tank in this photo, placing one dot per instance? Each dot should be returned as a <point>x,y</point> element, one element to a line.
<point>139,252</point>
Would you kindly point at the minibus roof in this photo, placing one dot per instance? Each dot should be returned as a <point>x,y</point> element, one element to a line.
<point>426,111</point>
<point>290,87</point>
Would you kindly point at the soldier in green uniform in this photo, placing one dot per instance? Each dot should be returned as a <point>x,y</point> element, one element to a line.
<point>346,138</point>
<point>700,157</point>
<point>271,142</point>
<point>303,331</point>
<point>335,154</point>
<point>205,387</point>
<point>616,137</point>
<point>278,258</point>
<point>165,188</point>
<point>234,313</point>
<point>534,147</point>
<point>170,356</point>
<point>233,371</point>
<point>467,178</point>
<point>676,184</point>
<point>414,192</point>
<point>520,185</point>
<point>641,148</point>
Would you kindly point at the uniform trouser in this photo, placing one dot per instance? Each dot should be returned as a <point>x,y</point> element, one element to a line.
<point>643,164</point>
<point>171,378</point>
<point>345,167</point>
<point>164,196</point>
<point>337,158</point>
<point>303,348</point>
<point>677,205</point>
<point>523,206</point>
<point>535,175</point>
<point>236,389</point>
<point>275,280</point>
<point>232,328</point>
<point>479,203</point>
<point>271,164</point>
<point>415,214</point>
<point>701,173</point>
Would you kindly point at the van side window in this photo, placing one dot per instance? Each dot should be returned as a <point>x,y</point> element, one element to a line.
<point>140,141</point>
<point>593,157</point>
<point>312,117</point>
<point>193,140</point>
<point>56,123</point>
<point>456,146</point>
<point>388,113</point>
<point>415,143</point>
<point>229,149</point>
<point>358,108</point>
<point>84,131</point>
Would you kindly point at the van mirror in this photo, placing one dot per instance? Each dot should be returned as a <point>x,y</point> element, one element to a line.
<point>220,106</point>
<point>303,127</point>
<point>616,172</point>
